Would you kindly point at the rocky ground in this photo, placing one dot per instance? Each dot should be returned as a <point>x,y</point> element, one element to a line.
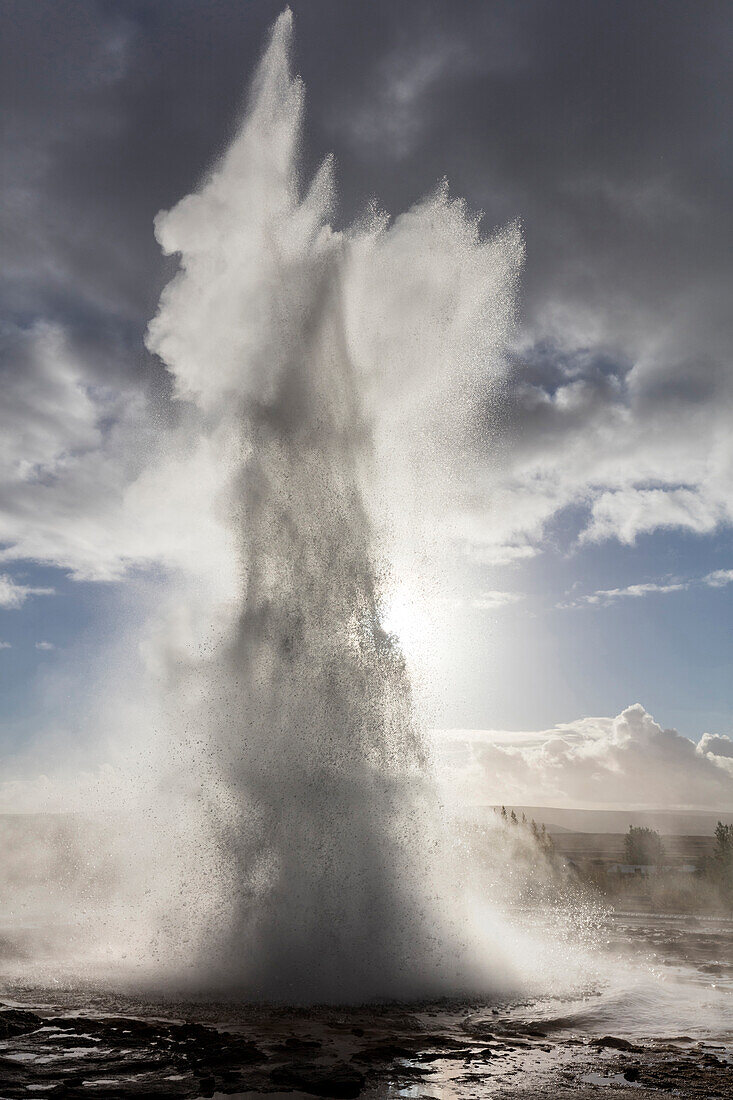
<point>440,1051</point>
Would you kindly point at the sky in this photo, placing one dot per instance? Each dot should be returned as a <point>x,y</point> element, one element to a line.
<point>597,541</point>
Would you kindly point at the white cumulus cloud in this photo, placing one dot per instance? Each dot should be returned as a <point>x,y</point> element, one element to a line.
<point>605,596</point>
<point>627,761</point>
<point>13,595</point>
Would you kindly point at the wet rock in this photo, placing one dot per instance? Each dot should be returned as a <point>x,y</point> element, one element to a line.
<point>611,1042</point>
<point>294,1044</point>
<point>384,1053</point>
<point>208,1050</point>
<point>482,1028</point>
<point>339,1082</point>
<point>447,1053</point>
<point>442,1042</point>
<point>411,1071</point>
<point>14,1021</point>
<point>69,1039</point>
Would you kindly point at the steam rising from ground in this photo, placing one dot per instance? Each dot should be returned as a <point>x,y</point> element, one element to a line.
<point>331,379</point>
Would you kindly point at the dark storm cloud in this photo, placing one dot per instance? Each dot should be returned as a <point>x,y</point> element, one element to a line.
<point>603,126</point>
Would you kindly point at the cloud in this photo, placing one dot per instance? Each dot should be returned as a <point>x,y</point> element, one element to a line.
<point>606,427</point>
<point>95,477</point>
<point>716,745</point>
<point>627,512</point>
<point>394,117</point>
<point>13,595</point>
<point>605,596</point>
<point>490,601</point>
<point>719,578</point>
<point>628,761</point>
<point>45,646</point>
<point>5,645</point>
<point>66,454</point>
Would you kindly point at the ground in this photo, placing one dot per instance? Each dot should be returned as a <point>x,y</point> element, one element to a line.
<point>669,1035</point>
<point>441,1051</point>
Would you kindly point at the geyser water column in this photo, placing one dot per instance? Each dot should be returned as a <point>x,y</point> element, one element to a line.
<point>312,357</point>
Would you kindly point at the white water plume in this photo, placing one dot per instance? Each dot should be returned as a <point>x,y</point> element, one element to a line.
<point>335,372</point>
<point>331,382</point>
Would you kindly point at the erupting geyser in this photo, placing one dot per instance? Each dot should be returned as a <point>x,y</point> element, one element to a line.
<point>333,372</point>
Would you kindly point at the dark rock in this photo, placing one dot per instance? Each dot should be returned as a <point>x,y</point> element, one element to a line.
<point>383,1052</point>
<point>411,1071</point>
<point>196,1033</point>
<point>68,1039</point>
<point>614,1043</point>
<point>293,1044</point>
<point>338,1082</point>
<point>631,1074</point>
<point>14,1021</point>
<point>442,1042</point>
<point>438,1055</point>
